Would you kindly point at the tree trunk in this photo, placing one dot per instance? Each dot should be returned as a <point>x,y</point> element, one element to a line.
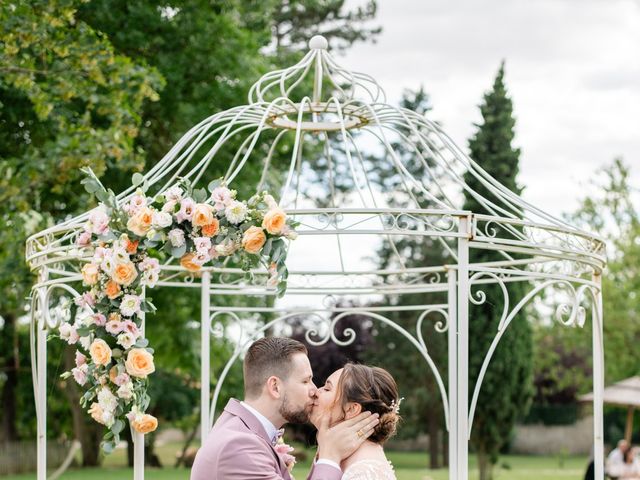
<point>9,429</point>
<point>485,466</point>
<point>434,444</point>
<point>87,431</point>
<point>445,448</point>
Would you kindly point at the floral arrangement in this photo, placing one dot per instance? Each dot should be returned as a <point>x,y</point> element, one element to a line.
<point>285,451</point>
<point>126,243</point>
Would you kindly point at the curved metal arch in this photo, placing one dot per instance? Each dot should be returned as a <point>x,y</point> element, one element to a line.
<point>331,335</point>
<point>575,318</point>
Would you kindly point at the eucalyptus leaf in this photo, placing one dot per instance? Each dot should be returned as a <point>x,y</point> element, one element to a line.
<point>137,179</point>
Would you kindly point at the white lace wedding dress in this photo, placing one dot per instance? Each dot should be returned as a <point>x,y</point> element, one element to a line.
<point>370,470</point>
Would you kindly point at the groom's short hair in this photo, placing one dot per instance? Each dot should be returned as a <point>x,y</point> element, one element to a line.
<point>269,356</point>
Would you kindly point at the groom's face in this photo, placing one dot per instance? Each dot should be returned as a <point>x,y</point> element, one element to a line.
<point>299,391</point>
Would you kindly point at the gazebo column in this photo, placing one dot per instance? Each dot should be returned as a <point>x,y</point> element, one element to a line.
<point>462,354</point>
<point>628,429</point>
<point>205,354</point>
<point>598,380</point>
<point>41,377</point>
<point>453,374</point>
<point>138,438</point>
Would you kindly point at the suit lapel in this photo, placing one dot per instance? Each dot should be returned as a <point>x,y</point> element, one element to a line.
<point>234,407</point>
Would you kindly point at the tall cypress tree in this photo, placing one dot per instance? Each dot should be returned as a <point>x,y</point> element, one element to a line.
<point>506,390</point>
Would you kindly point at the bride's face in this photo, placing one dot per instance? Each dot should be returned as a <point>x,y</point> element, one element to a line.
<point>325,403</point>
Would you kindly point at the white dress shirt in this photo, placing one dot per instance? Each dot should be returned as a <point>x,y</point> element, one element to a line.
<point>271,430</point>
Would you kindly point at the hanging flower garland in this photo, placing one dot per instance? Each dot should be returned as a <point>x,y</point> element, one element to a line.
<point>127,242</point>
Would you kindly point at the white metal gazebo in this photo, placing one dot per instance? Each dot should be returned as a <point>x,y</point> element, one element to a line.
<point>343,121</point>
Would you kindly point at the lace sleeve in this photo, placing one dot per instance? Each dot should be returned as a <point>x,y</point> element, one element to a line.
<point>369,470</point>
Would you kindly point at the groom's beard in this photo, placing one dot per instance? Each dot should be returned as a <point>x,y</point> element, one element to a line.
<point>300,415</point>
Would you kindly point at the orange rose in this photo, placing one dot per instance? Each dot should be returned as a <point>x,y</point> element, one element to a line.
<point>95,410</point>
<point>112,290</point>
<point>140,223</point>
<point>186,262</point>
<point>144,423</point>
<point>139,363</point>
<point>274,221</point>
<point>211,229</point>
<point>253,239</point>
<point>90,274</point>
<point>131,246</point>
<point>124,273</point>
<point>202,215</point>
<point>100,352</point>
<point>113,373</point>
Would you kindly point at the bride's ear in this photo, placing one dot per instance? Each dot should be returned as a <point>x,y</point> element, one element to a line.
<point>353,410</point>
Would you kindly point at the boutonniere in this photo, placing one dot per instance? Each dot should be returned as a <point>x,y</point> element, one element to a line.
<point>284,451</point>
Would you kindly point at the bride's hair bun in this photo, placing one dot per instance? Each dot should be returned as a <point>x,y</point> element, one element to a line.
<point>376,391</point>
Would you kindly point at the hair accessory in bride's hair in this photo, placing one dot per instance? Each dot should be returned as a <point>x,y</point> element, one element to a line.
<point>396,406</point>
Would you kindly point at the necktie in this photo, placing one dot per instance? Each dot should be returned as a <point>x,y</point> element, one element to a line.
<point>277,436</point>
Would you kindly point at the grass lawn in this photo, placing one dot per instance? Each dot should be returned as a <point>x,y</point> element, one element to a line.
<point>408,465</point>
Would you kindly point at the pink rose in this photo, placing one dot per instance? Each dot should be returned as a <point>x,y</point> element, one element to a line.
<point>131,327</point>
<point>84,239</point>
<point>80,359</point>
<point>99,319</point>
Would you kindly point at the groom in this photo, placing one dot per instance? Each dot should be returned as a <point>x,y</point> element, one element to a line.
<point>278,389</point>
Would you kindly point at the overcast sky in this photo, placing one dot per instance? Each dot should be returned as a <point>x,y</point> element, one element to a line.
<point>572,69</point>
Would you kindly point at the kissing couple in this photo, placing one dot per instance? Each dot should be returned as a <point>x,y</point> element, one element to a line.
<point>355,412</point>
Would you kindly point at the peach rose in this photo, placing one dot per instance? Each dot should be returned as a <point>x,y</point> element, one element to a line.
<point>112,290</point>
<point>274,221</point>
<point>95,410</point>
<point>113,373</point>
<point>144,423</point>
<point>124,273</point>
<point>139,363</point>
<point>140,223</point>
<point>211,229</point>
<point>253,239</point>
<point>131,246</point>
<point>100,352</point>
<point>202,215</point>
<point>90,274</point>
<point>187,262</point>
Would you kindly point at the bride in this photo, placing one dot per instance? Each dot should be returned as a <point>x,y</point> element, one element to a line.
<point>349,391</point>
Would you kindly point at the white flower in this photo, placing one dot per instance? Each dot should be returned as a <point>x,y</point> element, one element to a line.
<point>270,201</point>
<point>174,194</point>
<point>107,400</point>
<point>161,220</point>
<point>176,237</point>
<point>221,197</point>
<point>85,342</point>
<point>130,305</point>
<point>80,359</point>
<point>84,239</point>
<point>126,340</point>
<point>236,212</point>
<point>120,253</point>
<point>169,207</point>
<point>150,278</point>
<point>68,333</point>
<point>98,221</point>
<point>107,418</point>
<point>149,263</point>
<point>203,244</point>
<point>226,248</point>
<point>136,203</point>
<point>125,391</point>
<point>201,257</point>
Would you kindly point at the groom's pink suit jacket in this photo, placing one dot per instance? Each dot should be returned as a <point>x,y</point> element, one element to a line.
<point>238,448</point>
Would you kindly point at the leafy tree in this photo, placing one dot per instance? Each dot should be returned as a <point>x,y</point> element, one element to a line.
<point>422,406</point>
<point>506,389</point>
<point>67,100</point>
<point>614,213</point>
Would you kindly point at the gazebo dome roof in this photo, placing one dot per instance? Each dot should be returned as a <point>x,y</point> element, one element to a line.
<point>333,188</point>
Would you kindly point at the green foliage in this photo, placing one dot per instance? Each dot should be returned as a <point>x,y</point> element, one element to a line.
<point>506,389</point>
<point>614,213</point>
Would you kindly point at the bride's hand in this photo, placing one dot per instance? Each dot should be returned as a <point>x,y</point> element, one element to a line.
<point>341,440</point>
